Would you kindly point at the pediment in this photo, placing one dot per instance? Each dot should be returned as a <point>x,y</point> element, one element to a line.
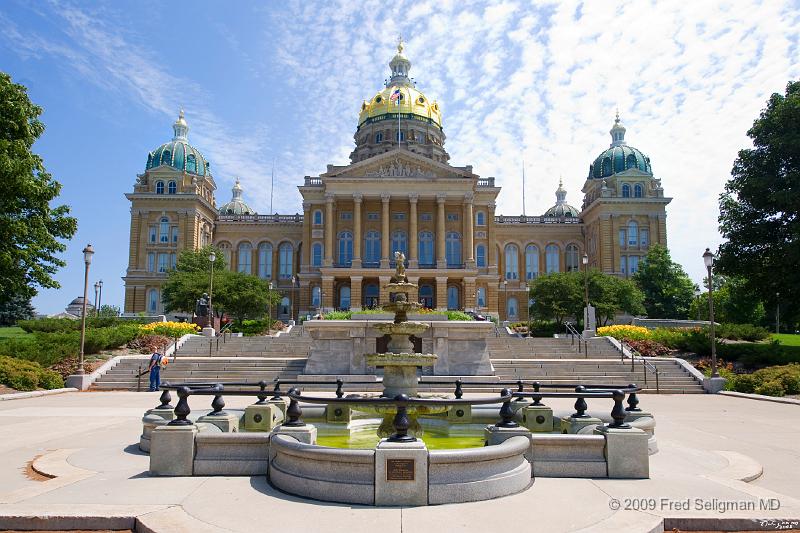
<point>633,172</point>
<point>399,164</point>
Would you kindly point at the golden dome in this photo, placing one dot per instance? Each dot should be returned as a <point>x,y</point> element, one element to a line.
<point>411,101</point>
<point>381,106</point>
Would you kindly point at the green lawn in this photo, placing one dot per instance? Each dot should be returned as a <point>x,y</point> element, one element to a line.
<point>10,332</point>
<point>787,339</point>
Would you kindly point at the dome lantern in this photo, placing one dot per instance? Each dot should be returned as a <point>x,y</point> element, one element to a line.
<point>617,133</point>
<point>236,206</point>
<point>619,157</point>
<point>562,208</point>
<point>180,128</point>
<point>400,65</point>
<point>178,153</point>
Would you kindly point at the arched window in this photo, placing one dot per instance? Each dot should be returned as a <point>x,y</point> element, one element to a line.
<point>318,217</point>
<point>481,294</point>
<point>638,190</point>
<point>163,230</point>
<point>630,161</point>
<point>480,256</point>
<point>626,191</point>
<point>151,262</point>
<point>633,233</point>
<point>191,164</point>
<point>285,261</point>
<point>316,254</point>
<point>512,261</point>
<point>371,295</point>
<point>166,157</point>
<point>606,166</point>
<point>572,258</point>
<point>531,262</point>
<point>426,295</point>
<point>452,298</point>
<point>372,248</point>
<point>399,243</point>
<point>344,297</point>
<point>426,248</point>
<point>480,218</point>
<point>225,248</point>
<point>159,187</point>
<point>284,307</point>
<point>152,301</point>
<point>316,297</point>
<point>345,248</point>
<point>551,258</point>
<point>402,135</point>
<point>245,258</point>
<point>453,249</point>
<point>172,188</point>
<point>265,260</point>
<point>512,309</point>
<point>379,137</point>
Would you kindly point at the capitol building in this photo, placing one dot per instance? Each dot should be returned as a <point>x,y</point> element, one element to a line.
<point>398,193</point>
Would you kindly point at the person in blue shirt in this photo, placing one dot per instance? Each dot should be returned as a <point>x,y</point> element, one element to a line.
<point>155,371</point>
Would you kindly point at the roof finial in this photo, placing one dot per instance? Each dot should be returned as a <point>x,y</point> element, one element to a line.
<point>180,128</point>
<point>617,119</point>
<point>400,43</point>
<point>617,132</point>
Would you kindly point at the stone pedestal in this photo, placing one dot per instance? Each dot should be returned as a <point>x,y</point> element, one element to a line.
<point>573,426</point>
<point>493,435</point>
<point>262,417</point>
<point>172,450</point>
<point>538,418</point>
<point>280,405</point>
<point>712,385</point>
<point>338,413</point>
<point>208,331</point>
<point>227,423</point>
<point>166,414</point>
<point>401,473</point>
<point>78,381</point>
<point>460,414</point>
<point>626,452</point>
<point>306,434</point>
<point>589,322</point>
<point>150,421</point>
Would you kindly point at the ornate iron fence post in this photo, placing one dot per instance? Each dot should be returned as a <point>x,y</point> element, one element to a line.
<point>580,404</point>
<point>218,403</point>
<point>633,399</point>
<point>182,409</point>
<point>618,413</point>
<point>537,400</point>
<point>506,412</point>
<point>459,391</point>
<point>339,391</point>
<point>293,411</point>
<point>401,422</point>
<point>262,396</point>
<point>165,399</point>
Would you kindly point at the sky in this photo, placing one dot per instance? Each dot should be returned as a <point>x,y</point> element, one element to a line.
<point>281,83</point>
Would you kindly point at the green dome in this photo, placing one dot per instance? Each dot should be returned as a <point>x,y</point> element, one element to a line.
<point>562,208</point>
<point>178,153</point>
<point>236,206</point>
<point>619,157</point>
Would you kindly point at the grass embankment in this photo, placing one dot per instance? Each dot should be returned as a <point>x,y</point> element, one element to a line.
<point>13,332</point>
<point>787,339</point>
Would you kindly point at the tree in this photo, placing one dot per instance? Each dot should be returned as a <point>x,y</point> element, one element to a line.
<point>611,295</point>
<point>760,208</point>
<point>555,296</point>
<point>14,309</point>
<point>244,296</point>
<point>668,291</point>
<point>108,310</point>
<point>734,302</point>
<point>29,226</point>
<point>191,278</point>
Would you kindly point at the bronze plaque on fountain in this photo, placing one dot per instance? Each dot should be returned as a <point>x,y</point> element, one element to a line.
<point>400,469</point>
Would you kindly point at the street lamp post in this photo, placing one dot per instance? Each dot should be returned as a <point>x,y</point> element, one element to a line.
<point>586,291</point>
<point>87,260</point>
<point>96,307</point>
<point>269,306</point>
<point>100,298</point>
<point>708,259</point>
<point>505,291</point>
<point>294,281</point>
<point>777,312</point>
<point>211,257</point>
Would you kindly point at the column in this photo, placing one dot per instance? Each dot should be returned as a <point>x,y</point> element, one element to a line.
<point>491,248</point>
<point>469,232</point>
<point>469,293</point>
<point>357,200</point>
<point>441,259</point>
<point>329,225</point>
<point>441,293</point>
<point>383,295</point>
<point>306,259</point>
<point>385,230</point>
<point>355,292</point>
<point>327,296</point>
<point>413,246</point>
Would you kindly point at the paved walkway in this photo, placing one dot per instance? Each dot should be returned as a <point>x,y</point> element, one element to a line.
<point>89,441</point>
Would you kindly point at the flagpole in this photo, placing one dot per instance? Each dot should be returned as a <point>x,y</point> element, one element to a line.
<point>272,186</point>
<point>523,187</point>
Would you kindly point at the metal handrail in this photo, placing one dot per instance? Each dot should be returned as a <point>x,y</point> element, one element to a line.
<point>646,365</point>
<point>572,332</point>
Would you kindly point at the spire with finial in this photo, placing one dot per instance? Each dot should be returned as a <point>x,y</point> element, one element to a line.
<point>617,132</point>
<point>180,128</point>
<point>561,193</point>
<point>400,65</point>
<point>237,190</point>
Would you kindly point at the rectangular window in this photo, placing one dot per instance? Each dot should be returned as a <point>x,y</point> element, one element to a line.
<point>452,217</point>
<point>426,217</point>
<point>151,262</point>
<point>623,239</point>
<point>173,259</point>
<point>346,215</point>
<point>152,234</point>
<point>163,262</point>
<point>623,264</point>
<point>633,264</point>
<point>644,237</point>
<point>399,216</point>
<point>373,216</point>
<point>174,231</point>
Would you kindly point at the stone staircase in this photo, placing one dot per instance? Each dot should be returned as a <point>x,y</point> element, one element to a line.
<point>291,345</point>
<point>511,347</point>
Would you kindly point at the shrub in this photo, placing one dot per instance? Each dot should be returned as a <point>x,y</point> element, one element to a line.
<point>649,348</point>
<point>752,355</point>
<point>770,381</point>
<point>770,388</point>
<point>337,315</point>
<point>50,325</point>
<point>746,332</point>
<point>169,329</point>
<point>620,332</point>
<point>149,343</point>
<point>250,327</point>
<point>458,315</point>
<point>26,375</point>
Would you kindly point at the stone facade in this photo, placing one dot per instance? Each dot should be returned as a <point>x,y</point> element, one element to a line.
<point>398,192</point>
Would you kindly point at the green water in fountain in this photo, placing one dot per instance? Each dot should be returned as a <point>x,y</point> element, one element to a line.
<point>368,440</point>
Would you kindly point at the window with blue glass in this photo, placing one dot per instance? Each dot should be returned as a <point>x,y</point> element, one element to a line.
<point>285,261</point>
<point>245,261</point>
<point>638,190</point>
<point>452,246</point>
<point>345,248</point>
<point>480,218</point>
<point>265,260</point>
<point>512,308</point>
<point>163,230</point>
<point>317,217</point>
<point>371,295</point>
<point>372,247</point>
<point>633,233</point>
<point>159,187</point>
<point>512,261</point>
<point>481,294</point>
<point>552,259</point>
<point>152,300</point>
<point>426,295</point>
<point>379,137</point>
<point>571,258</point>
<point>316,254</point>
<point>172,188</point>
<point>191,164</point>
<point>344,297</point>
<point>531,262</point>
<point>633,264</point>
<point>316,297</point>
<point>452,298</point>
<point>425,245</point>
<point>399,243</point>
<point>626,191</point>
<point>480,256</point>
